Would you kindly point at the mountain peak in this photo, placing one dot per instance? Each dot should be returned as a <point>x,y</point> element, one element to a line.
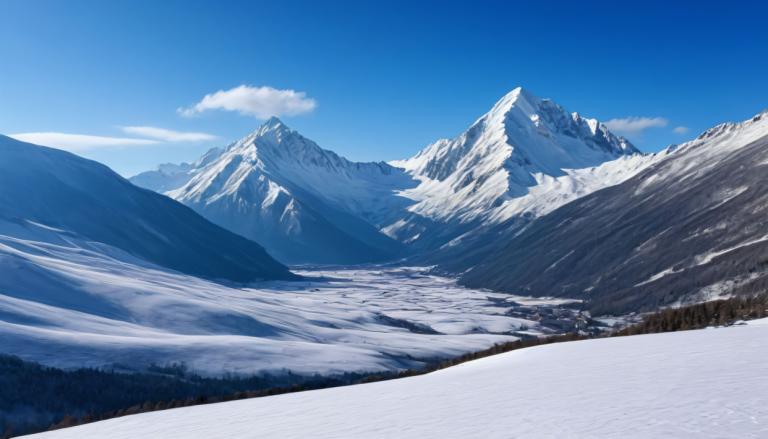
<point>272,124</point>
<point>518,96</point>
<point>519,92</point>
<point>273,130</point>
<point>521,138</point>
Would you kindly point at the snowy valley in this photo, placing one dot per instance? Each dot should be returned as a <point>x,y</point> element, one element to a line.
<point>534,222</point>
<point>97,272</point>
<point>137,290</point>
<point>376,220</point>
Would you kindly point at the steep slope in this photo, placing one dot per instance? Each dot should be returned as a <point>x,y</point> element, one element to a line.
<point>523,158</point>
<point>303,203</point>
<point>692,384</point>
<point>74,197</point>
<point>690,227</point>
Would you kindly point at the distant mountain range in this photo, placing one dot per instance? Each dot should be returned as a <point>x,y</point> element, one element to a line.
<point>530,199</point>
<point>305,204</point>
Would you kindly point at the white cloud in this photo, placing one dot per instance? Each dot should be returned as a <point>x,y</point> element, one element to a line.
<point>629,126</point>
<point>680,130</point>
<point>167,135</point>
<point>79,142</point>
<point>260,102</point>
<point>86,142</point>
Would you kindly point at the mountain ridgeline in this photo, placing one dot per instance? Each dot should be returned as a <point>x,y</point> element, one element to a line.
<point>304,203</point>
<point>308,205</point>
<point>530,199</point>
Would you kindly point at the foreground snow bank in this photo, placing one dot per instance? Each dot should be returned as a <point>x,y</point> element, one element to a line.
<point>698,384</point>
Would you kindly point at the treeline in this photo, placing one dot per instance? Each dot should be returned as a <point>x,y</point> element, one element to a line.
<point>702,315</point>
<point>53,398</point>
<point>39,397</point>
<point>35,398</point>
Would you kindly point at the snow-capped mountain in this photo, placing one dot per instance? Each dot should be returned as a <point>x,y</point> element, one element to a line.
<point>525,157</point>
<point>48,195</point>
<point>690,227</point>
<point>303,203</point>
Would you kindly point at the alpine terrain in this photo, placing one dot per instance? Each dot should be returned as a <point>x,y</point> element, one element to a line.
<point>522,159</point>
<point>303,203</point>
<point>690,227</point>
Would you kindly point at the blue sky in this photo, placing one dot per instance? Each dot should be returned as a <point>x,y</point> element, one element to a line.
<point>370,80</point>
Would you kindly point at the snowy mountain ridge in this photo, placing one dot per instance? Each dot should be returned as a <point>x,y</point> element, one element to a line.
<point>525,157</point>
<point>305,203</point>
<point>294,163</point>
<point>690,227</point>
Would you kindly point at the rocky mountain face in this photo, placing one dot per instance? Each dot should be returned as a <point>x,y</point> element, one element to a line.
<point>692,226</point>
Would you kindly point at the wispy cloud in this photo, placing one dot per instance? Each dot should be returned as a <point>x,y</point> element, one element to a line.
<point>680,130</point>
<point>629,126</point>
<point>167,135</point>
<point>146,135</point>
<point>259,102</point>
<point>79,142</point>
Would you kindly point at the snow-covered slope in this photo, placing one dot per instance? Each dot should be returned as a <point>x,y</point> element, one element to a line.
<point>71,302</point>
<point>526,156</point>
<point>695,384</point>
<point>75,198</point>
<point>303,203</point>
<point>690,227</point>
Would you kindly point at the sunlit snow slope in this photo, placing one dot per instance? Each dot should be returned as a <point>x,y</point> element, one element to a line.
<point>526,156</point>
<point>695,384</point>
<point>72,303</point>
<point>303,203</point>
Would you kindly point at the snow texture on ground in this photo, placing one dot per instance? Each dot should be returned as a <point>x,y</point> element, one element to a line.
<point>71,303</point>
<point>695,384</point>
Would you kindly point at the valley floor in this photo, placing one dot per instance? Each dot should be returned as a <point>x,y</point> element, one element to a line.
<point>70,303</point>
<point>694,384</point>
